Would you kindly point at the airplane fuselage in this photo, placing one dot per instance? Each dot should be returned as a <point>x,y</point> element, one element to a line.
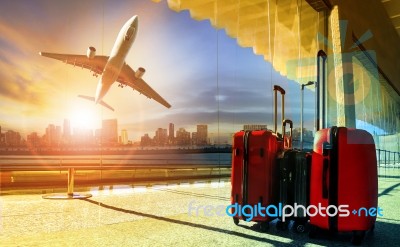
<point>112,68</point>
<point>116,61</point>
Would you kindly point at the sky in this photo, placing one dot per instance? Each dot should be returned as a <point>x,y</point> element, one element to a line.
<point>204,74</point>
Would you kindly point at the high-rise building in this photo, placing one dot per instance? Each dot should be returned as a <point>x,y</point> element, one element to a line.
<point>194,138</point>
<point>124,137</point>
<point>254,127</point>
<point>202,134</point>
<point>171,134</point>
<point>161,137</point>
<point>182,137</point>
<point>109,133</point>
<point>53,135</point>
<point>58,134</point>
<point>145,140</point>
<point>33,140</point>
<point>12,138</point>
<point>66,128</point>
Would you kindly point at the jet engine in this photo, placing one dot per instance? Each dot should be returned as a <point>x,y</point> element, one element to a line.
<point>140,72</point>
<point>91,52</point>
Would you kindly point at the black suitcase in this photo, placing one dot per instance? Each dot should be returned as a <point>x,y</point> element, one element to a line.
<point>294,184</point>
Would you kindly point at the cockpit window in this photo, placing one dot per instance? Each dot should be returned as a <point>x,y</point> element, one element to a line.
<point>129,33</point>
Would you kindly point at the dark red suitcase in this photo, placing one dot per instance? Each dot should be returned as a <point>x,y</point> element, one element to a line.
<point>253,172</point>
<point>253,177</point>
<point>344,172</point>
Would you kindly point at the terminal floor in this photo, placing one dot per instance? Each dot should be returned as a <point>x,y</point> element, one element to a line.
<point>158,216</point>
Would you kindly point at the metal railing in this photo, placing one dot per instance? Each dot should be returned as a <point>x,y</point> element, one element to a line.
<point>386,157</point>
<point>20,172</point>
<point>388,163</point>
<point>9,164</point>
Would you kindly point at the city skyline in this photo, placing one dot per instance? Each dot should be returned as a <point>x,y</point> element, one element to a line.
<point>112,134</point>
<point>110,130</point>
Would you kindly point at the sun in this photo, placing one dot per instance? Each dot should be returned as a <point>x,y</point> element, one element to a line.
<point>85,118</point>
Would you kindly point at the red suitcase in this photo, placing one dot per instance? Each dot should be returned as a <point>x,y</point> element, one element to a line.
<point>253,177</point>
<point>253,172</point>
<point>344,172</point>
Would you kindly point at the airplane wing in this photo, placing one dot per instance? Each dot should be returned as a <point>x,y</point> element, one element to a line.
<point>95,64</point>
<point>127,77</point>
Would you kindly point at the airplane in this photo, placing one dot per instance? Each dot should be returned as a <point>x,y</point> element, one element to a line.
<point>112,68</point>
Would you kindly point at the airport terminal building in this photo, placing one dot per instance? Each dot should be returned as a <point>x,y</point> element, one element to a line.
<point>361,42</point>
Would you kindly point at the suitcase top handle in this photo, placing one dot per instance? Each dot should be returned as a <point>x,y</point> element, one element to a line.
<point>279,88</point>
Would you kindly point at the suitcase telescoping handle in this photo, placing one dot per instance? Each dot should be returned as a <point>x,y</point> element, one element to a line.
<point>282,91</point>
<point>287,142</point>
<point>320,87</point>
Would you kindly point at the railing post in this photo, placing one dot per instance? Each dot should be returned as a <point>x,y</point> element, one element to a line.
<point>71,174</point>
<point>70,189</point>
<point>385,158</point>
<point>379,157</point>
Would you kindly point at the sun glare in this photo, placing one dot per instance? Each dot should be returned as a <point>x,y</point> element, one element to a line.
<point>84,118</point>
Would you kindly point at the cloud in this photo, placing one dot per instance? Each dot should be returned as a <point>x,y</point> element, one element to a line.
<point>19,88</point>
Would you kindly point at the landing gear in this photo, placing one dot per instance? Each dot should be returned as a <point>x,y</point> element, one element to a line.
<point>121,85</point>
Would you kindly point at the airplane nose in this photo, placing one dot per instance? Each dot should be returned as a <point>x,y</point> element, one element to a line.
<point>135,20</point>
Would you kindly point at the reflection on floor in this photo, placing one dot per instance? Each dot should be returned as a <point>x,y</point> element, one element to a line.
<point>159,216</point>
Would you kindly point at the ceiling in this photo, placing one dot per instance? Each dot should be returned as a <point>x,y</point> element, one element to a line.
<point>393,9</point>
<point>288,33</point>
<point>285,34</point>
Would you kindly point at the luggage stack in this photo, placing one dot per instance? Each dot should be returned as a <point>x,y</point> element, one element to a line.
<point>339,176</point>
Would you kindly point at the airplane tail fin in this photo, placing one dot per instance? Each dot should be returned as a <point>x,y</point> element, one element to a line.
<point>94,100</point>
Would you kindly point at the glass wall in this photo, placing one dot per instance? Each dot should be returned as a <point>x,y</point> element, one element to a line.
<point>377,105</point>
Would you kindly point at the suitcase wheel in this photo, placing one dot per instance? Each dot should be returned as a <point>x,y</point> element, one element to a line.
<point>358,237</point>
<point>236,221</point>
<point>264,226</point>
<point>280,225</point>
<point>299,227</point>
